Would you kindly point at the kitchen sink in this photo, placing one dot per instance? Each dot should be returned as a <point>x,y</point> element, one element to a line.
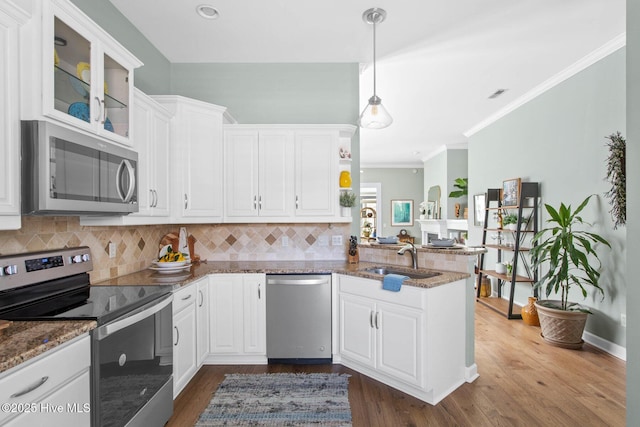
<point>411,274</point>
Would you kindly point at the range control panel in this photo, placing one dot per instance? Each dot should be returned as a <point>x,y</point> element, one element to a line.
<point>35,267</point>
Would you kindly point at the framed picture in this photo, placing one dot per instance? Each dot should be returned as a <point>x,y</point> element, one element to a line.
<point>511,192</point>
<point>402,213</point>
<point>479,204</point>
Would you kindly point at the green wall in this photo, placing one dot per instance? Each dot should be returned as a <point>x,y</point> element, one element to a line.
<point>274,93</point>
<point>153,78</point>
<point>633,205</point>
<point>397,183</point>
<point>558,139</point>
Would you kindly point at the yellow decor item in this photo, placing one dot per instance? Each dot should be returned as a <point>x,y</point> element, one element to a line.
<point>530,313</point>
<point>56,58</point>
<point>345,179</point>
<point>83,71</point>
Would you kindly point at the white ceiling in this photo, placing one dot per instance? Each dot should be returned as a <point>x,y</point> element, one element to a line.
<point>438,60</point>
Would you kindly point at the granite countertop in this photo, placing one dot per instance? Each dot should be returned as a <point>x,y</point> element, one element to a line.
<point>202,269</point>
<point>454,250</point>
<point>22,341</point>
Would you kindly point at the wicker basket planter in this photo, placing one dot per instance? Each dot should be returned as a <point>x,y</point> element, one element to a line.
<point>560,327</point>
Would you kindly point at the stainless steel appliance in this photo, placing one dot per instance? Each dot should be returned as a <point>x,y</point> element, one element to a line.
<point>298,318</point>
<point>131,349</point>
<point>68,172</point>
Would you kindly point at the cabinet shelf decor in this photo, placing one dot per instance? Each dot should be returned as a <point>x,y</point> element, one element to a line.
<point>511,244</point>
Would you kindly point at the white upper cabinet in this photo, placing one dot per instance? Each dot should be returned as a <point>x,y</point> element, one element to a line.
<point>195,174</point>
<point>10,20</point>
<point>258,174</point>
<point>74,72</point>
<point>284,173</point>
<point>316,178</point>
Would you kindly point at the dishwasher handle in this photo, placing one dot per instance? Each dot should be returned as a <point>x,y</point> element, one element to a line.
<point>297,282</point>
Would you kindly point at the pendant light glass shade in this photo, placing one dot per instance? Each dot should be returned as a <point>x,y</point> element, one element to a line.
<point>374,115</point>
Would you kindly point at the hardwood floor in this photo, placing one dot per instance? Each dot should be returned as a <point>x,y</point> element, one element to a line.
<point>523,382</point>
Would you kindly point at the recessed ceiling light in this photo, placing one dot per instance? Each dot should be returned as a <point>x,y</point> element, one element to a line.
<point>497,93</point>
<point>207,11</point>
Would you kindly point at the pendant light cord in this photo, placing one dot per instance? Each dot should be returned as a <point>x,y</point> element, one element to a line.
<point>374,19</point>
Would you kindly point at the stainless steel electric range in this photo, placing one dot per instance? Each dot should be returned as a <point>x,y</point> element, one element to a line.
<point>131,351</point>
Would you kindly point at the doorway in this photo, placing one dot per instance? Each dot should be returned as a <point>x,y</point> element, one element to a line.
<point>370,210</point>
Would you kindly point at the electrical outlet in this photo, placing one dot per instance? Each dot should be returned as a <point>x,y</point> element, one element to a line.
<point>323,240</point>
<point>623,320</point>
<point>112,250</point>
<point>285,241</point>
<point>336,240</point>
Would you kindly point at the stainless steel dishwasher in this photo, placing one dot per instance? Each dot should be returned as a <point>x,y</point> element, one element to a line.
<point>298,318</point>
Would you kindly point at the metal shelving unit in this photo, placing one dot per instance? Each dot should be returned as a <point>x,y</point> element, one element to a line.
<point>527,211</point>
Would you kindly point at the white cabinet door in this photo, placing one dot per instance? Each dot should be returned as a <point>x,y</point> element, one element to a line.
<point>316,180</point>
<point>399,342</point>
<point>241,173</point>
<point>202,320</point>
<point>254,314</point>
<point>84,79</point>
<point>259,173</point>
<point>276,173</point>
<point>225,314</point>
<point>184,338</point>
<point>72,397</point>
<point>9,118</point>
<point>161,131</point>
<point>60,376</point>
<point>196,150</point>
<point>357,333</point>
<point>237,317</point>
<point>200,142</point>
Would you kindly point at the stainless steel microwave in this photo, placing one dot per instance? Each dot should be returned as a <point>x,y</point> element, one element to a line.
<point>66,172</point>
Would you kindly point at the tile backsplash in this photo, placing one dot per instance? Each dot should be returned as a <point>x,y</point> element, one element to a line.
<point>137,246</point>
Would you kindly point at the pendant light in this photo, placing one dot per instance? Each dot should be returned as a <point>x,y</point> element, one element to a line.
<point>374,115</point>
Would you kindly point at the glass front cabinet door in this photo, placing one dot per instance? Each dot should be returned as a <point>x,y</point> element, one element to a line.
<point>87,76</point>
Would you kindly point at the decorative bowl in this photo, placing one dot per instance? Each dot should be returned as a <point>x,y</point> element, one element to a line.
<point>169,264</point>
<point>442,243</point>
<point>388,240</point>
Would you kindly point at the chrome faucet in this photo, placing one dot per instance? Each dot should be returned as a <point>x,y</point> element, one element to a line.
<point>412,250</point>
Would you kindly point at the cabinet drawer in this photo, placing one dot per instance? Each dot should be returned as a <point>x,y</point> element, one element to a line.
<point>409,296</point>
<point>51,370</point>
<point>184,297</point>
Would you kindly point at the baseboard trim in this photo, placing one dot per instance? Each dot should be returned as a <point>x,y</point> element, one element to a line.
<point>471,373</point>
<point>605,345</point>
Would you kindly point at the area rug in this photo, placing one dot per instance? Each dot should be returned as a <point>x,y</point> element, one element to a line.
<point>279,400</point>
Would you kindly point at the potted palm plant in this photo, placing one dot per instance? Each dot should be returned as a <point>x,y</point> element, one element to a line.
<point>572,260</point>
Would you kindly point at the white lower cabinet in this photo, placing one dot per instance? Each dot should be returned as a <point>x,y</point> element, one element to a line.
<point>237,319</point>
<point>185,362</point>
<point>382,336</point>
<point>202,320</point>
<point>51,389</point>
<point>412,340</point>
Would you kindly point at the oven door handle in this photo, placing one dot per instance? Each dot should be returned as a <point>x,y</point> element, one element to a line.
<point>144,312</point>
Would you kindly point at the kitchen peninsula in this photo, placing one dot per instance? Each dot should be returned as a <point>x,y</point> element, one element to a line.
<point>419,361</point>
<point>438,304</point>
